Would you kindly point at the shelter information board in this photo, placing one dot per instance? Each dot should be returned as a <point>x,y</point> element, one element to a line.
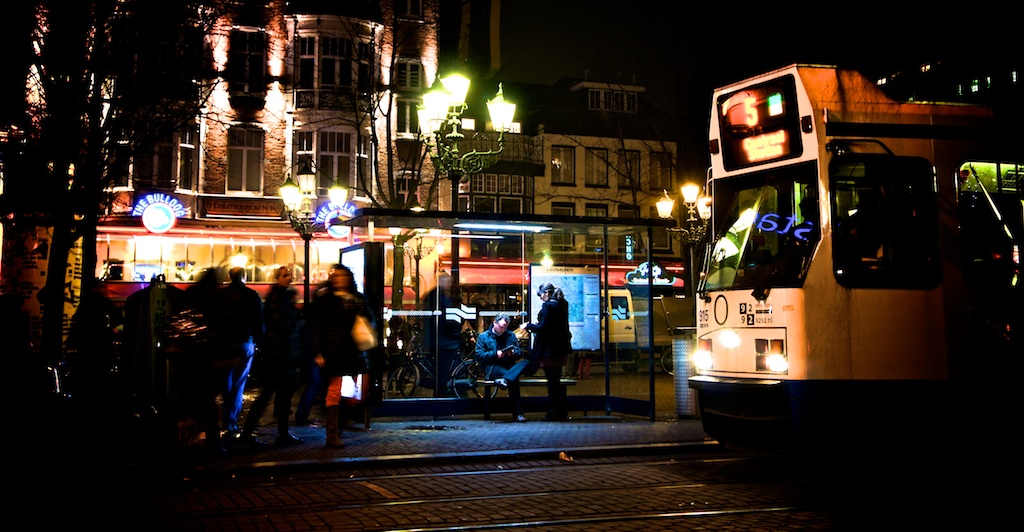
<point>582,288</point>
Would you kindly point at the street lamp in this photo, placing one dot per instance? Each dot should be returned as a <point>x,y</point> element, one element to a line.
<point>298,198</point>
<point>440,119</point>
<point>698,208</point>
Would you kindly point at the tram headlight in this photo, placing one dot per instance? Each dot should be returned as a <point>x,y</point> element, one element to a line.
<point>729,339</point>
<point>702,359</point>
<point>771,355</point>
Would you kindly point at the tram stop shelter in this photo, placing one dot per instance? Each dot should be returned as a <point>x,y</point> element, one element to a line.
<point>615,272</point>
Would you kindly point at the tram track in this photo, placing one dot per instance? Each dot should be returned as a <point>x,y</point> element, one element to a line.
<point>598,493</point>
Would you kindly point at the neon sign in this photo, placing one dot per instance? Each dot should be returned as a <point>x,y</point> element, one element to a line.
<point>159,211</point>
<point>652,271</point>
<point>330,211</point>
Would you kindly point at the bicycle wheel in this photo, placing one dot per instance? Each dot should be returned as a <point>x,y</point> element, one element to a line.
<point>404,380</point>
<point>462,382</point>
<point>667,362</point>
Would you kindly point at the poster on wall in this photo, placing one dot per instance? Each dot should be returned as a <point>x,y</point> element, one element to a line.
<point>582,288</point>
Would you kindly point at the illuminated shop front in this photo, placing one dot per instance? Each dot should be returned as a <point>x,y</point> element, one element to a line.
<point>499,261</point>
<point>177,237</point>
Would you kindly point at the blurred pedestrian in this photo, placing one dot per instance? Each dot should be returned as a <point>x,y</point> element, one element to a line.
<point>277,362</point>
<point>239,331</point>
<point>441,336</point>
<point>552,346</point>
<point>336,309</point>
<point>203,369</point>
<point>310,379</point>
<point>501,360</point>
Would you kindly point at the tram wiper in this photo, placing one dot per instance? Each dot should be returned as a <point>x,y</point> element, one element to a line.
<point>762,287</point>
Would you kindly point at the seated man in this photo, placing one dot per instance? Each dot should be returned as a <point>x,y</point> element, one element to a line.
<point>498,354</point>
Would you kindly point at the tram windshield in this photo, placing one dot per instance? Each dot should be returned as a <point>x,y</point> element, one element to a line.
<point>766,230</point>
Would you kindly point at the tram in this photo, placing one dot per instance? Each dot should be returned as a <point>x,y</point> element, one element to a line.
<point>862,272</point>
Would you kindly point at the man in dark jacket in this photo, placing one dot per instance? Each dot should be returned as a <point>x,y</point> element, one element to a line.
<point>501,360</point>
<point>239,330</point>
<point>278,360</point>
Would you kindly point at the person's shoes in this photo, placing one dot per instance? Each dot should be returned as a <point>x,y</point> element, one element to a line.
<point>502,383</point>
<point>248,438</point>
<point>520,418</point>
<point>288,439</point>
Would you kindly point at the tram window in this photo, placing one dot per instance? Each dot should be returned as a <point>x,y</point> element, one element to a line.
<point>885,222</point>
<point>990,222</point>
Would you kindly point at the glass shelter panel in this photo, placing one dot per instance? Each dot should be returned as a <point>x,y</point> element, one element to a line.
<point>448,279</point>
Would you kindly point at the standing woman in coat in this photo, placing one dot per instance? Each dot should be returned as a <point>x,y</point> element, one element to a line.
<point>335,310</point>
<point>551,346</point>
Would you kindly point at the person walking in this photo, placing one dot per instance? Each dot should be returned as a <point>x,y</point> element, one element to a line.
<point>552,346</point>
<point>239,331</point>
<point>310,381</point>
<point>336,309</point>
<point>440,335</point>
<point>204,370</point>
<point>501,360</point>
<point>277,362</point>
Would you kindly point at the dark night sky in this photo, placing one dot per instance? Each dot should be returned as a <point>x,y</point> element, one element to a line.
<point>544,40</point>
<point>681,51</point>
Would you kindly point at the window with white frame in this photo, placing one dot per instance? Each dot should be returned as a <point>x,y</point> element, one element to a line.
<point>595,243</point>
<point>245,159</point>
<point>408,122</point>
<point>155,167</point>
<point>409,9</point>
<point>511,206</point>
<point>660,240</point>
<point>247,61</point>
<point>628,169</point>
<point>661,171</point>
<point>596,167</point>
<point>408,75</point>
<point>334,160</point>
<point>562,242</point>
<point>518,185</point>
<point>335,63</point>
<point>188,157</point>
<point>563,165</point>
<point>484,203</point>
<point>306,78</point>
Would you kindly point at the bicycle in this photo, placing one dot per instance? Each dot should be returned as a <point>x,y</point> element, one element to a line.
<point>416,370</point>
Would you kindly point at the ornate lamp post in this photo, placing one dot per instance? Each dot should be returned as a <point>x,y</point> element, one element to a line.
<point>698,208</point>
<point>299,201</point>
<point>440,119</point>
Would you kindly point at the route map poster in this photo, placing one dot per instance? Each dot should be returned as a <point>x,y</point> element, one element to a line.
<point>582,288</point>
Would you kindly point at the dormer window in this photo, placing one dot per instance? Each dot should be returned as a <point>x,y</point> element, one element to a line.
<point>612,100</point>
